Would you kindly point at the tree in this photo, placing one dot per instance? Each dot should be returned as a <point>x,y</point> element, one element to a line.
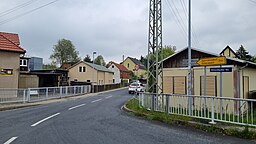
<point>243,54</point>
<point>99,60</point>
<point>64,51</point>
<point>167,51</point>
<point>50,66</point>
<point>87,59</point>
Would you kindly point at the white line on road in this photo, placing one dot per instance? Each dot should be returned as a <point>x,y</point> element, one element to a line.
<point>96,100</point>
<point>10,140</point>
<point>108,97</point>
<point>45,119</point>
<point>76,106</point>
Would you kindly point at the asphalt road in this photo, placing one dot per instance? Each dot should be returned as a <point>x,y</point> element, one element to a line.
<point>95,120</point>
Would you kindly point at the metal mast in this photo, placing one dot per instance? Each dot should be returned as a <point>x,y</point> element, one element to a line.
<point>155,67</point>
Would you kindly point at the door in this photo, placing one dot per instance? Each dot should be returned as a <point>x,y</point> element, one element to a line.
<point>246,87</point>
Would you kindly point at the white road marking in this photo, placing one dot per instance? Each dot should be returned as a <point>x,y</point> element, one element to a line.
<point>10,140</point>
<point>45,119</point>
<point>96,100</point>
<point>76,106</point>
<point>108,97</point>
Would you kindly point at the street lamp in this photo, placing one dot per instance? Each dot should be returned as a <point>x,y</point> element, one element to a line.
<point>93,70</point>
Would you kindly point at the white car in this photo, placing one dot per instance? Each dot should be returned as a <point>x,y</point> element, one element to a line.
<point>136,87</point>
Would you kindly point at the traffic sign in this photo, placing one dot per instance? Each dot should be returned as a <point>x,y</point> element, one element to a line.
<point>223,69</point>
<point>212,61</point>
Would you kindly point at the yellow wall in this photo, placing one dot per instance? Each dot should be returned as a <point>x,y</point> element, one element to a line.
<point>9,60</point>
<point>131,64</point>
<point>229,53</point>
<point>251,73</point>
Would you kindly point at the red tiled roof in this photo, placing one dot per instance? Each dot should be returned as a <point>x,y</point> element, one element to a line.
<point>121,67</point>
<point>10,42</point>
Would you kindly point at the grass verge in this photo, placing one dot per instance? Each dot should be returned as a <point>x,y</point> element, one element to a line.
<point>240,132</point>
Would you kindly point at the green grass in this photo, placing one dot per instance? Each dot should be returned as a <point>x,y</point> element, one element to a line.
<point>133,104</point>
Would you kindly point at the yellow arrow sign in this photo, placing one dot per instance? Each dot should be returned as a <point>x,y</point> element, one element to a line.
<point>212,61</point>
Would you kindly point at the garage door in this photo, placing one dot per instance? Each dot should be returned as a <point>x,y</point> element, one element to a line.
<point>179,85</point>
<point>211,88</point>
<point>246,87</point>
<point>168,84</point>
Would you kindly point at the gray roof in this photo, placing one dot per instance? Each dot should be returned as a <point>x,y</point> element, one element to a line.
<point>214,54</point>
<point>99,67</point>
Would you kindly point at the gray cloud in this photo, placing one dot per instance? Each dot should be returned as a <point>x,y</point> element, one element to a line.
<point>118,27</point>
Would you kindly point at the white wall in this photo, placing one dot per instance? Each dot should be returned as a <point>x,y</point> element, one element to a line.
<point>116,73</point>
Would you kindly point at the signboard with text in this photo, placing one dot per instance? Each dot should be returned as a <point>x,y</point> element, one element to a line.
<point>212,61</point>
<point>223,69</point>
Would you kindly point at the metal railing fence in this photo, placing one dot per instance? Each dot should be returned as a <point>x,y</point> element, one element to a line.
<point>39,94</point>
<point>215,109</point>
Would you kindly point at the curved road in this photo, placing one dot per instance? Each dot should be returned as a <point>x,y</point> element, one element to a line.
<point>94,120</point>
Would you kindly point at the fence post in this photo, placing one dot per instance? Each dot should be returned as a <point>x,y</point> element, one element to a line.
<point>142,102</point>
<point>66,90</point>
<point>24,96</point>
<point>167,104</point>
<point>212,118</point>
<point>46,93</point>
<point>60,92</point>
<point>28,95</point>
<point>74,88</point>
<point>153,102</point>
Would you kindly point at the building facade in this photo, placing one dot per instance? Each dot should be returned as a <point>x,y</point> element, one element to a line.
<point>10,52</point>
<point>91,73</point>
<point>121,73</point>
<point>130,64</point>
<point>36,63</point>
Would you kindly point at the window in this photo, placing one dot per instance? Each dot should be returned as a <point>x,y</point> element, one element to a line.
<point>128,65</point>
<point>113,66</point>
<point>82,69</point>
<point>23,62</point>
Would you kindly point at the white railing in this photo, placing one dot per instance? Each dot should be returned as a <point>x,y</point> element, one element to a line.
<point>215,109</point>
<point>39,94</point>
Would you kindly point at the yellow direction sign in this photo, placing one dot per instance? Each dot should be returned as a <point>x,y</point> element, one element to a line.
<point>212,61</point>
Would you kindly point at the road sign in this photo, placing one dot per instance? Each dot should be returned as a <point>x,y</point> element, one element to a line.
<point>136,67</point>
<point>212,61</point>
<point>223,69</point>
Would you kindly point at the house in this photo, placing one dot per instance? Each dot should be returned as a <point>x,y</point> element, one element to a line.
<point>130,64</point>
<point>88,72</point>
<point>236,83</point>
<point>36,63</point>
<point>121,73</point>
<point>10,52</point>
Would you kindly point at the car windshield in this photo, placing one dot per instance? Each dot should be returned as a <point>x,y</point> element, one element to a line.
<point>134,84</point>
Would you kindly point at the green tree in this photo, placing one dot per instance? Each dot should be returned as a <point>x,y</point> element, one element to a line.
<point>87,59</point>
<point>99,60</point>
<point>167,51</point>
<point>243,54</point>
<point>50,66</point>
<point>64,51</point>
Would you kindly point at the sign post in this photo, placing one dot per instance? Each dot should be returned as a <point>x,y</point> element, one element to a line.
<point>211,62</point>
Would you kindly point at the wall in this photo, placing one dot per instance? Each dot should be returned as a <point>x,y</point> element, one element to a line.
<point>82,76</point>
<point>9,60</point>
<point>109,78</point>
<point>251,73</point>
<point>116,73</point>
<point>131,67</point>
<point>28,81</point>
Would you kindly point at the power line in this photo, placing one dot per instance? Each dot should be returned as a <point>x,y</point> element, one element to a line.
<point>17,8</point>
<point>252,1</point>
<point>178,22</point>
<point>25,13</point>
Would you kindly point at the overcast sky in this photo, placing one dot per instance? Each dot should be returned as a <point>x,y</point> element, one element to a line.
<point>114,28</point>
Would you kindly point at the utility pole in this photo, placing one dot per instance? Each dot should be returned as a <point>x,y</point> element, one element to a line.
<point>189,59</point>
<point>155,68</point>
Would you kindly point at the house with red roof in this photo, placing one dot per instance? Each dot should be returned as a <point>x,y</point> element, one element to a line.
<point>10,52</point>
<point>121,73</point>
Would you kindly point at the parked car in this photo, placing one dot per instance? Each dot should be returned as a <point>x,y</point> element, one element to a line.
<point>136,87</point>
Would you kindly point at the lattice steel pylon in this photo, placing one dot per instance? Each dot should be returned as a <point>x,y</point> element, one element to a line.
<point>155,66</point>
